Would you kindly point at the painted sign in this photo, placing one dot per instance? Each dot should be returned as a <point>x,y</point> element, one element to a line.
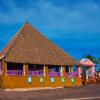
<point>72,80</point>
<point>41,79</point>
<point>29,79</point>
<point>63,80</point>
<point>52,79</point>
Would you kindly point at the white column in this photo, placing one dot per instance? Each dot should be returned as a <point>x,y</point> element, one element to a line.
<point>63,73</point>
<point>45,71</point>
<point>24,69</point>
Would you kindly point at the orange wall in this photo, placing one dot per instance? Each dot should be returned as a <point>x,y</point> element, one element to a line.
<point>22,81</point>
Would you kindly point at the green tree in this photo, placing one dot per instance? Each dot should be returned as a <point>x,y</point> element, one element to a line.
<point>90,57</point>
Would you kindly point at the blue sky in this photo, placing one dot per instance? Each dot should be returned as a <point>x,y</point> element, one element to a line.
<point>74,25</point>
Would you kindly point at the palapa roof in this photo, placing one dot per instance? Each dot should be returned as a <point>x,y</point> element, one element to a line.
<point>30,46</point>
<point>0,54</point>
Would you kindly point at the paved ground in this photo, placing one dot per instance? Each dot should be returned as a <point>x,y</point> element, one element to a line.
<point>91,92</point>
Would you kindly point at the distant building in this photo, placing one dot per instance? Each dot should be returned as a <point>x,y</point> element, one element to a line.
<point>88,69</point>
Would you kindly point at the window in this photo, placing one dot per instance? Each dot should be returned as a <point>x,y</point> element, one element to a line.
<point>35,67</point>
<point>35,70</point>
<point>54,71</point>
<point>15,69</point>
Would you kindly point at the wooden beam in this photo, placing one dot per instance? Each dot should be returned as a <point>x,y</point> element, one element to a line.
<point>63,71</point>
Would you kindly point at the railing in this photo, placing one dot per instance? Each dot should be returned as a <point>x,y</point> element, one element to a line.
<point>51,74</point>
<point>72,74</point>
<point>35,73</point>
<point>39,73</point>
<point>15,72</point>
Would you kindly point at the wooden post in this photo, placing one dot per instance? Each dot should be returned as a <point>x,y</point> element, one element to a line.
<point>63,71</point>
<point>71,69</point>
<point>4,68</point>
<point>0,68</point>
<point>79,71</point>
<point>25,68</point>
<point>45,71</point>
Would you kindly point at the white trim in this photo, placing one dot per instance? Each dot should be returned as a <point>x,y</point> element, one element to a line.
<point>44,70</point>
<point>85,98</point>
<point>24,69</point>
<point>30,89</point>
<point>61,71</point>
<point>2,56</point>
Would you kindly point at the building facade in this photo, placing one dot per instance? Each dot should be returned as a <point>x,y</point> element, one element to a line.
<point>31,60</point>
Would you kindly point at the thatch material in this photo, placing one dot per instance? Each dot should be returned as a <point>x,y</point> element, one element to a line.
<point>30,46</point>
<point>0,54</point>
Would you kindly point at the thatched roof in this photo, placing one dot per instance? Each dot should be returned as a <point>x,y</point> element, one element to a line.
<point>0,54</point>
<point>30,46</point>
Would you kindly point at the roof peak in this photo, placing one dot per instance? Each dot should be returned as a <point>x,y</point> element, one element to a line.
<point>27,24</point>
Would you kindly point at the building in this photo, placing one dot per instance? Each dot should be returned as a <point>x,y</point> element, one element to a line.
<point>31,60</point>
<point>88,66</point>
